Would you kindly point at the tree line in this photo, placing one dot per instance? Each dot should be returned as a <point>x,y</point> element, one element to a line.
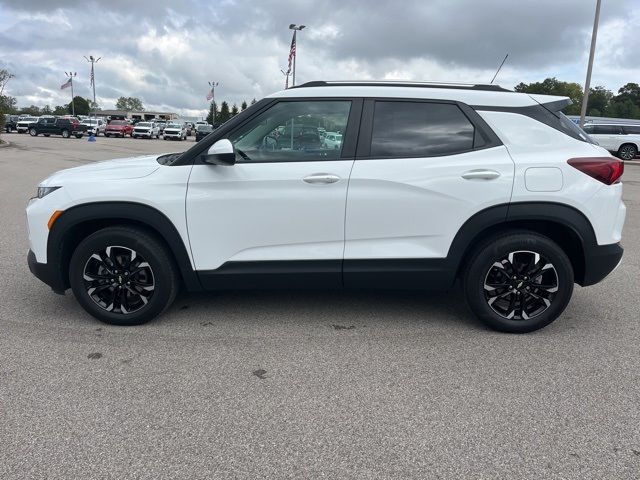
<point>602,102</point>
<point>225,112</point>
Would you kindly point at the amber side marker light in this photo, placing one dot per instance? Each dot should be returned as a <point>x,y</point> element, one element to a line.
<point>53,218</point>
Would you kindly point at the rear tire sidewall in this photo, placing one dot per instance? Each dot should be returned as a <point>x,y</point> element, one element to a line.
<point>165,278</point>
<point>632,148</point>
<point>33,132</point>
<point>495,250</point>
<point>65,134</point>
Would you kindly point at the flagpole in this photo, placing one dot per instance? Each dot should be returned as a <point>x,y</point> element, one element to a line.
<point>294,42</point>
<point>93,60</point>
<point>70,75</point>
<point>213,86</point>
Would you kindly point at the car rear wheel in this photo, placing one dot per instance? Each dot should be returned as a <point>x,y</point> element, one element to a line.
<point>627,151</point>
<point>33,132</point>
<point>65,134</point>
<point>518,282</point>
<point>123,276</point>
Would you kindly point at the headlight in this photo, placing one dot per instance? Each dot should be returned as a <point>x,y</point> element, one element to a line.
<point>44,191</point>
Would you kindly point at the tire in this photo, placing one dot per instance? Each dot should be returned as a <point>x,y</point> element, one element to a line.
<point>65,134</point>
<point>134,136</point>
<point>46,134</point>
<point>79,135</point>
<point>33,132</point>
<point>107,135</point>
<point>520,306</point>
<point>628,151</point>
<point>147,297</point>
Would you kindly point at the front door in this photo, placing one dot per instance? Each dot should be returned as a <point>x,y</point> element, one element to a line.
<point>277,215</point>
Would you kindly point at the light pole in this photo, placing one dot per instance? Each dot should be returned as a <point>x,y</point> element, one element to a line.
<point>212,97</point>
<point>587,83</point>
<point>293,50</point>
<point>286,74</point>
<point>70,75</point>
<point>93,61</point>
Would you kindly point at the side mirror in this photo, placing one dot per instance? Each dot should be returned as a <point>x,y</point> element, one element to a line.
<point>220,153</point>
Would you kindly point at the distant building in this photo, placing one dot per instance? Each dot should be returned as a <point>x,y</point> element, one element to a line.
<point>127,115</point>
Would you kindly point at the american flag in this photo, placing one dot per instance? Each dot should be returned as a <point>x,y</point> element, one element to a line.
<point>91,76</point>
<point>66,84</point>
<point>292,51</point>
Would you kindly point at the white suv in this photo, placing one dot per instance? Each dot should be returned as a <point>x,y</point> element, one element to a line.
<point>620,139</point>
<point>145,130</point>
<point>431,183</point>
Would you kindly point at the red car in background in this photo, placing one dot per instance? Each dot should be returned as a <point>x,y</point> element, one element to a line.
<point>118,128</point>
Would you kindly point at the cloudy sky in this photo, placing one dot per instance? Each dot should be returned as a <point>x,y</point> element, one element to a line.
<point>165,52</point>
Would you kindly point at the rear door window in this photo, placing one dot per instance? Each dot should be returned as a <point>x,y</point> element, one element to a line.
<point>419,129</point>
<point>631,129</point>
<point>607,130</point>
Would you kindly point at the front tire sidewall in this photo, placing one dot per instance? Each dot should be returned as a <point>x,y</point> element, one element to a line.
<point>499,248</point>
<point>153,252</point>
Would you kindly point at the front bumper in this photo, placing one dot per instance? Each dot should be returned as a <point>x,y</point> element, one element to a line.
<point>46,274</point>
<point>142,134</point>
<point>600,261</point>
<point>173,134</point>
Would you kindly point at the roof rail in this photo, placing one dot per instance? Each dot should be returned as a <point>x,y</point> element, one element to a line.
<point>457,86</point>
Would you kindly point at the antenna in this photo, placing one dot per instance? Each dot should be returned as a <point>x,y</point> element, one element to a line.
<point>499,68</point>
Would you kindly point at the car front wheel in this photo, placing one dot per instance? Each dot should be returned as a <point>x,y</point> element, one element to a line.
<point>518,282</point>
<point>123,276</point>
<point>33,132</point>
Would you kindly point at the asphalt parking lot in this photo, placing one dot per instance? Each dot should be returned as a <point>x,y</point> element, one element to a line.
<point>306,384</point>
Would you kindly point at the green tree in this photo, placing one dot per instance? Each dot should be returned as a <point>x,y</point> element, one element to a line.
<point>224,114</point>
<point>553,86</point>
<point>623,108</point>
<point>630,91</point>
<point>212,108</point>
<point>33,110</point>
<point>46,110</point>
<point>243,106</point>
<point>253,101</point>
<point>60,110</point>
<point>7,104</point>
<point>131,104</point>
<point>234,110</point>
<point>599,98</point>
<point>81,106</point>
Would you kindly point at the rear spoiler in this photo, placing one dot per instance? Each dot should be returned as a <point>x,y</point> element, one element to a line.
<point>552,102</point>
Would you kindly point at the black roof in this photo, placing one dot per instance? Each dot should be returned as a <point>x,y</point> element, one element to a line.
<point>456,86</point>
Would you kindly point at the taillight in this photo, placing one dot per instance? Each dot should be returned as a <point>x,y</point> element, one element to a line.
<point>607,170</point>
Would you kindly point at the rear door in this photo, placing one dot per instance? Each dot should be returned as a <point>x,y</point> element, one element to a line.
<point>422,169</point>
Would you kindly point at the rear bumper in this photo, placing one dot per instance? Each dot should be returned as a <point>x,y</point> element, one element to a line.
<point>600,261</point>
<point>46,274</point>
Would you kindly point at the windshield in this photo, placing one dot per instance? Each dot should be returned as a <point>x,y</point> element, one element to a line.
<point>30,119</point>
<point>174,125</point>
<point>205,128</point>
<point>143,124</point>
<point>118,122</point>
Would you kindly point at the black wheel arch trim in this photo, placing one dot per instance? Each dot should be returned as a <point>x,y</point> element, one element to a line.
<point>143,215</point>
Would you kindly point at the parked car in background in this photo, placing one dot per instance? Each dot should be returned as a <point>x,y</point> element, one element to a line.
<point>22,126</point>
<point>620,139</point>
<point>10,122</point>
<point>175,131</point>
<point>118,128</point>
<point>202,131</point>
<point>57,126</point>
<point>95,126</point>
<point>145,130</point>
<point>332,140</point>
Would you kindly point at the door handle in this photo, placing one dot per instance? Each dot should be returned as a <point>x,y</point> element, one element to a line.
<point>480,175</point>
<point>321,178</point>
